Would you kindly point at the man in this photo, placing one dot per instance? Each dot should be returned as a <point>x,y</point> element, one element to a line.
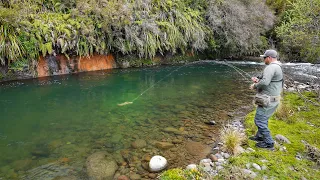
<point>270,83</point>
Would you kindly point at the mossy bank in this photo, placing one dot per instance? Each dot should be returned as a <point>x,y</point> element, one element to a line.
<point>297,119</point>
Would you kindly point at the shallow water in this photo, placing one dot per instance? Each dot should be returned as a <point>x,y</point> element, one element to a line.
<point>64,119</point>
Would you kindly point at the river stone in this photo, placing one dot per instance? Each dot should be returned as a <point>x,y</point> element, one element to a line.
<point>123,177</point>
<point>139,143</point>
<point>101,166</point>
<point>66,178</point>
<point>256,166</point>
<point>282,138</point>
<point>197,149</point>
<point>250,173</point>
<point>164,145</point>
<point>192,166</point>
<point>135,176</point>
<point>152,176</point>
<point>213,158</point>
<point>177,141</point>
<point>157,163</point>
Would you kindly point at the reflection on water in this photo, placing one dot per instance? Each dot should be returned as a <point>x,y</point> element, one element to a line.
<point>62,120</point>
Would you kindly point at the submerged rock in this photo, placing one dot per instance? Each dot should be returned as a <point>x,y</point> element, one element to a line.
<point>49,171</point>
<point>164,145</point>
<point>197,149</point>
<point>139,143</point>
<point>101,166</point>
<point>210,122</point>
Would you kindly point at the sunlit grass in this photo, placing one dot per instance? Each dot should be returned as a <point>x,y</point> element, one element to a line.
<point>297,127</point>
<point>231,139</point>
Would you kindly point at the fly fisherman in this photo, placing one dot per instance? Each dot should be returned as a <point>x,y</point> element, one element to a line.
<point>269,87</point>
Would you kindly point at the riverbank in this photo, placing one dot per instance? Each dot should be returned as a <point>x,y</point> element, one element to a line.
<point>295,127</point>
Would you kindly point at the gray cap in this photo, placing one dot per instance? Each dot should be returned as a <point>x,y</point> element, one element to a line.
<point>272,53</point>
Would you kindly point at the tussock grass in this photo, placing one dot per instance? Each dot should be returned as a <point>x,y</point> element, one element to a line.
<point>231,139</point>
<point>284,112</point>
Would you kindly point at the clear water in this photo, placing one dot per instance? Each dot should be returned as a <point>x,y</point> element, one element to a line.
<point>67,118</point>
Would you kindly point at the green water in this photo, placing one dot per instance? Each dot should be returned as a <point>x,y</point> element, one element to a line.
<point>44,120</point>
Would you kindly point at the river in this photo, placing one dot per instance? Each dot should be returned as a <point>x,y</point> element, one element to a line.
<point>64,119</point>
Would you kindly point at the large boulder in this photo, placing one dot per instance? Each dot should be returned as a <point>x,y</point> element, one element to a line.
<point>101,166</point>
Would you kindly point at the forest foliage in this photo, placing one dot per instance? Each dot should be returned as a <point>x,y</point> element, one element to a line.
<point>144,28</point>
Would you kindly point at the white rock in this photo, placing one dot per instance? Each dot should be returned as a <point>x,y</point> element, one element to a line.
<point>157,163</point>
<point>226,155</point>
<point>205,161</point>
<point>207,169</point>
<point>264,160</point>
<point>218,156</point>
<point>220,160</point>
<point>290,89</point>
<point>263,167</point>
<point>192,166</point>
<point>251,174</point>
<point>283,149</point>
<point>250,149</point>
<point>239,150</point>
<point>256,166</point>
<point>248,165</point>
<point>282,138</point>
<point>219,168</point>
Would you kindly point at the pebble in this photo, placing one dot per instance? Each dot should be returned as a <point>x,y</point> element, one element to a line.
<point>256,166</point>
<point>135,177</point>
<point>220,160</point>
<point>282,138</point>
<point>264,167</point>
<point>250,173</point>
<point>283,149</point>
<point>264,160</point>
<point>213,158</point>
<point>207,169</point>
<point>216,148</point>
<point>219,168</point>
<point>218,156</point>
<point>250,150</point>
<point>152,176</point>
<point>226,155</point>
<point>123,177</point>
<point>248,165</point>
<point>205,161</point>
<point>191,166</point>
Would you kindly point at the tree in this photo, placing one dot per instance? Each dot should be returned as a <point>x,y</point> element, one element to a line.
<point>238,25</point>
<point>299,31</point>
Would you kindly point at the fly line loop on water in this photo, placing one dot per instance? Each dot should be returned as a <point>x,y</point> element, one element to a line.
<point>130,102</point>
<point>240,71</point>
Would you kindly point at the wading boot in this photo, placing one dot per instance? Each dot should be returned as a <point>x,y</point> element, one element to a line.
<point>269,146</point>
<point>255,138</point>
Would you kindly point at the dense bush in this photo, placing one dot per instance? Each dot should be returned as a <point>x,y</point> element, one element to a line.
<point>299,32</point>
<point>30,28</point>
<point>84,27</point>
<point>238,25</point>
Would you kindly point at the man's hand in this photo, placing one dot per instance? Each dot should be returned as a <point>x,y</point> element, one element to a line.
<point>255,79</point>
<point>251,86</point>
